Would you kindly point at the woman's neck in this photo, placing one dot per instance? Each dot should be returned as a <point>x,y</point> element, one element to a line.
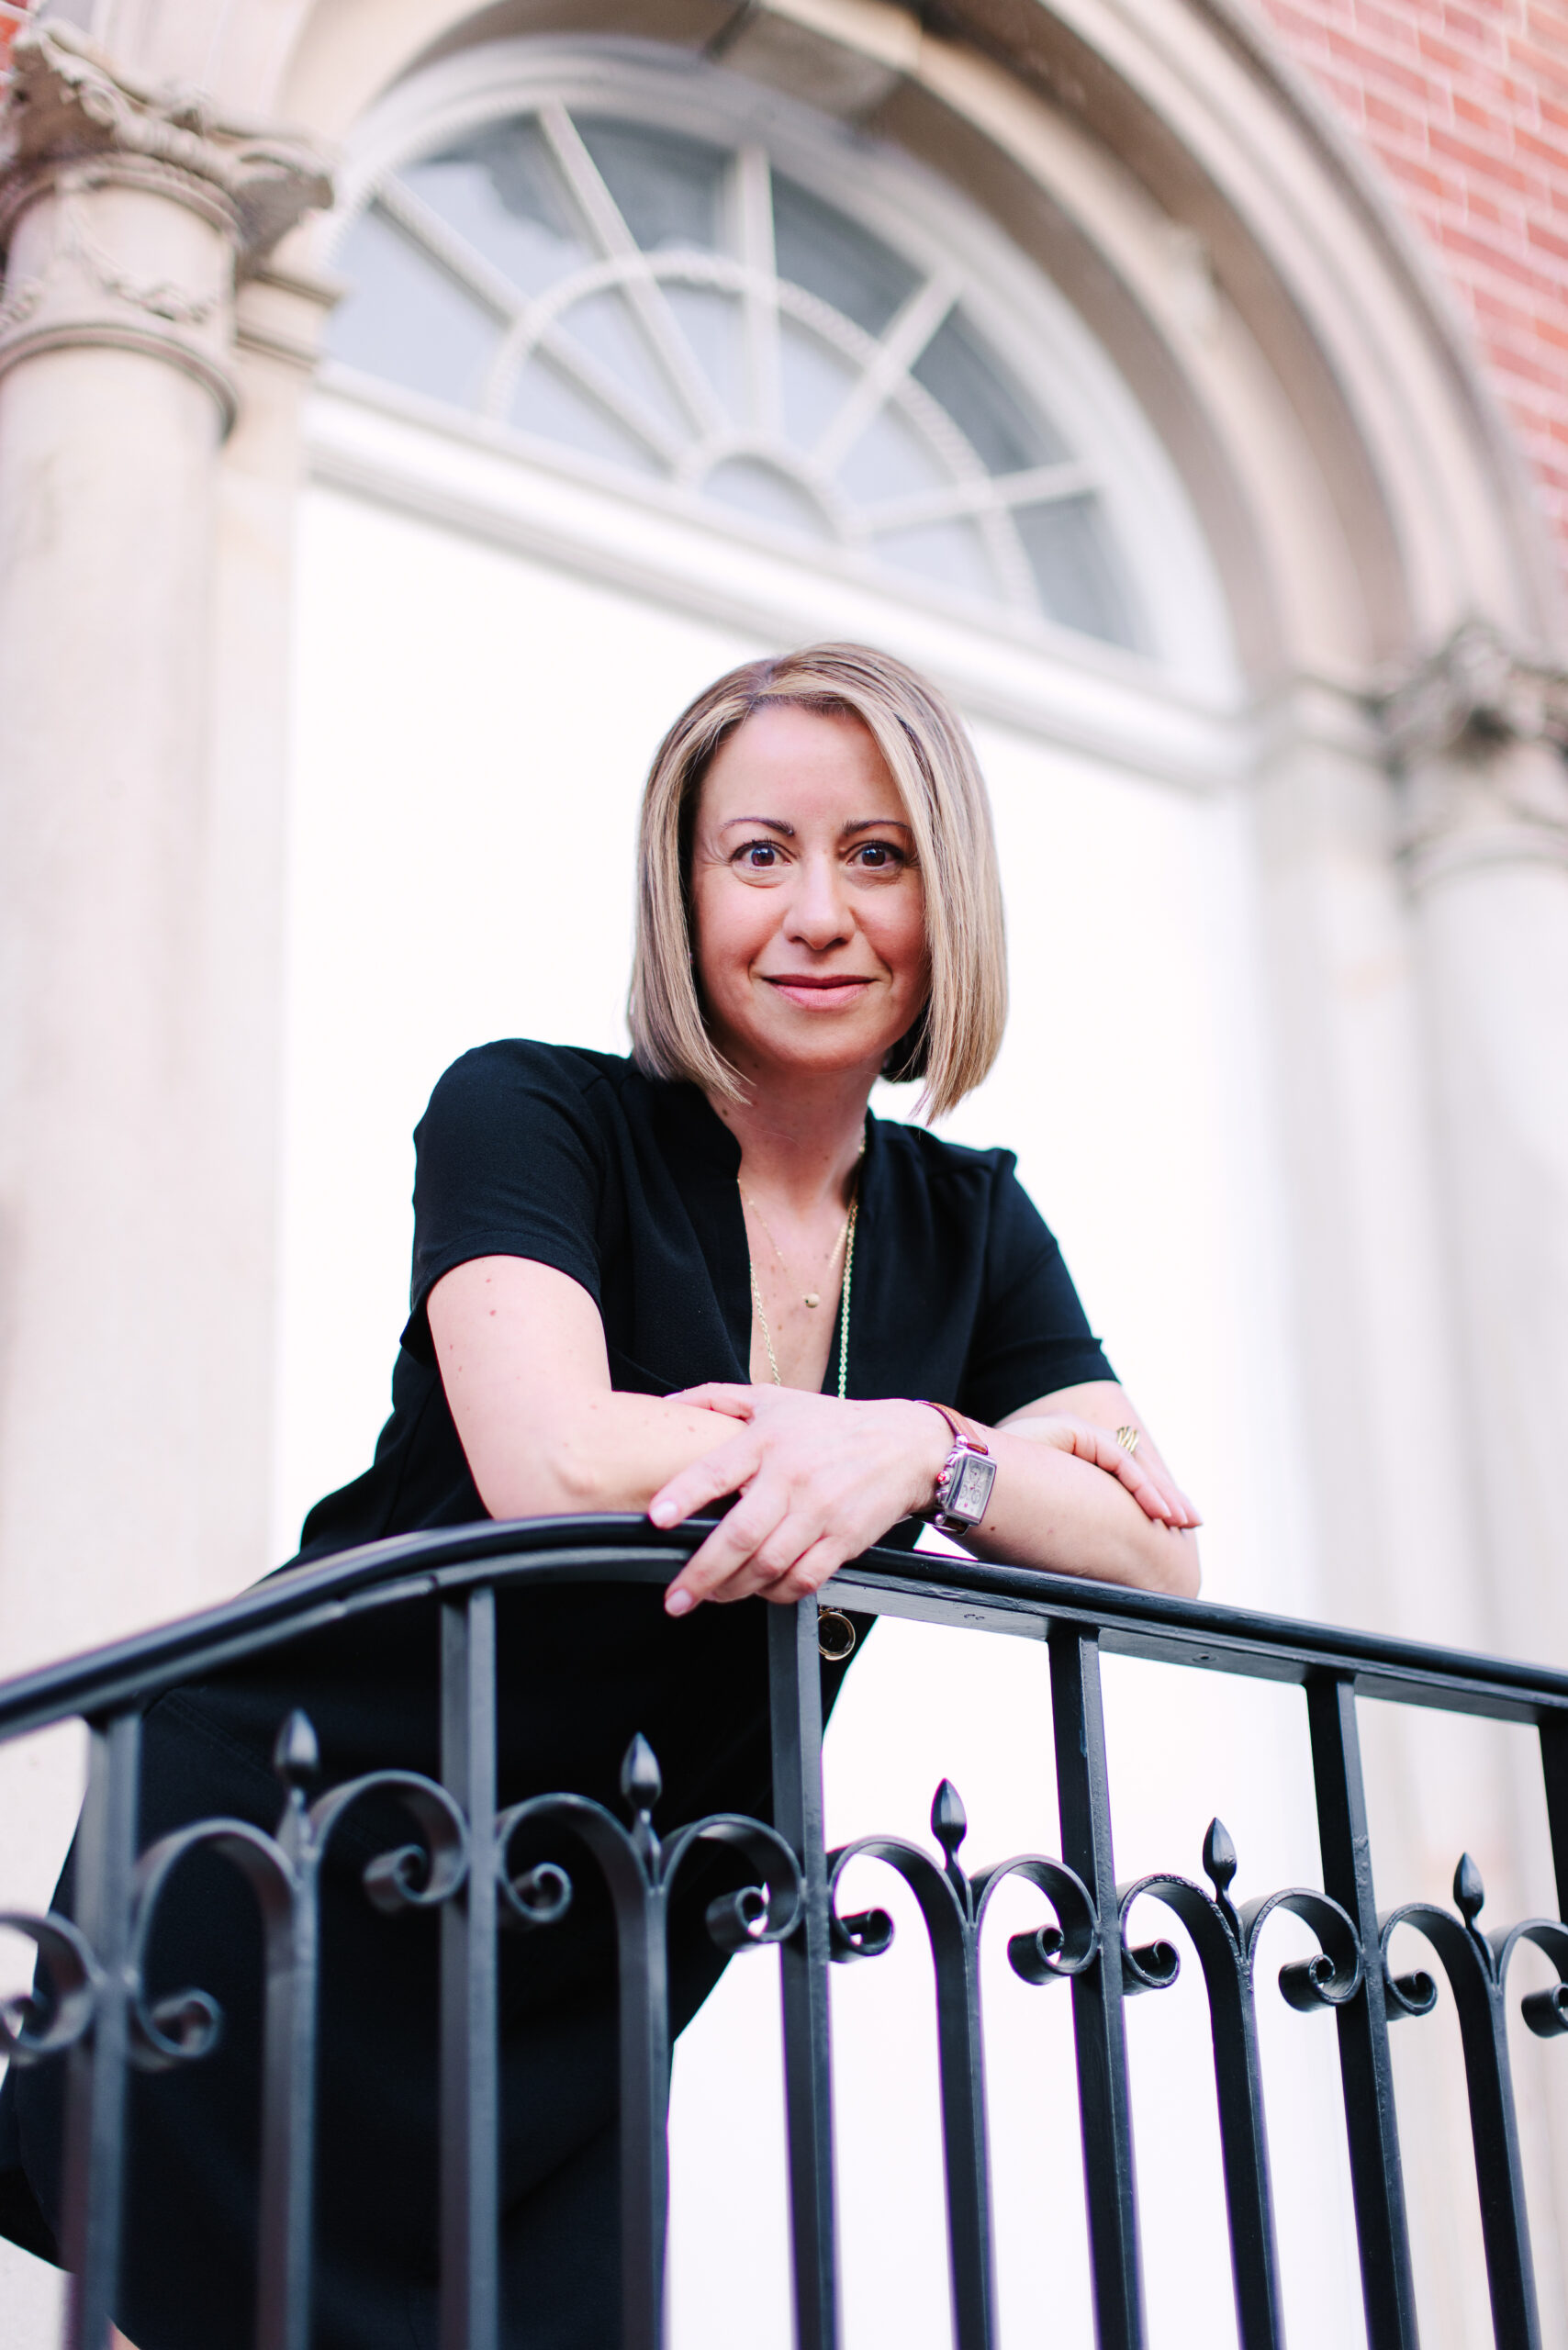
<point>801,1139</point>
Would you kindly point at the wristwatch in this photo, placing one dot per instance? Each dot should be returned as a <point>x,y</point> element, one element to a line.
<point>964,1483</point>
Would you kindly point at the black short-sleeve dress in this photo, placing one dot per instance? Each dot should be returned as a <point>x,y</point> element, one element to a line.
<point>629,1185</point>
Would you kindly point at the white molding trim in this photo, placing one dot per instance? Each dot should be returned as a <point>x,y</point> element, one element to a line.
<point>420,460</point>
<point>940,231</point>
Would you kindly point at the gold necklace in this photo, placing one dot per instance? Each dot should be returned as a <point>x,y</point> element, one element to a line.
<point>810,1296</point>
<point>848,1238</point>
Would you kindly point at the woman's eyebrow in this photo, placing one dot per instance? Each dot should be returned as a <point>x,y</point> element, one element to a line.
<point>774,824</point>
<point>867,824</point>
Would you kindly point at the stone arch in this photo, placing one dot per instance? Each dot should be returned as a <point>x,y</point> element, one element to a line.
<point>1232,251</point>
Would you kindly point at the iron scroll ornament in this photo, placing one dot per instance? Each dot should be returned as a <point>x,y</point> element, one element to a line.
<point>1476,1965</point>
<point>639,1869</point>
<point>58,2010</point>
<point>283,1871</point>
<point>1226,1941</point>
<point>953,1907</point>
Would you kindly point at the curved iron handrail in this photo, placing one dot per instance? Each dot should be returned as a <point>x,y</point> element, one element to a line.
<point>90,2013</point>
<point>615,1547</point>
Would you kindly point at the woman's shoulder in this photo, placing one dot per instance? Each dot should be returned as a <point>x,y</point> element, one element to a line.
<point>931,1160</point>
<point>522,1067</point>
<point>525,1060</point>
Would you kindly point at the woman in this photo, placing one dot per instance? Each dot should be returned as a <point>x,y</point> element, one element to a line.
<point>703,1276</point>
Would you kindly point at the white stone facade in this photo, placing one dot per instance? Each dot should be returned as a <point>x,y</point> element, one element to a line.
<point>305,684</point>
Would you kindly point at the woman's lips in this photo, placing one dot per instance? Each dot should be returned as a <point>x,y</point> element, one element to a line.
<point>818,995</point>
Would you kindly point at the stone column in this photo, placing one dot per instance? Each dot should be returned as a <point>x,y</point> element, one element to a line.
<point>1479,733</point>
<point>128,212</point>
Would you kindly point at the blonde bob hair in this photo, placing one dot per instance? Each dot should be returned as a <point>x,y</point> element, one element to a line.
<point>932,761</point>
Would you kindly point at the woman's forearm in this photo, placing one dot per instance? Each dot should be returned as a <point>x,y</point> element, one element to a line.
<point>598,1451</point>
<point>1049,1509</point>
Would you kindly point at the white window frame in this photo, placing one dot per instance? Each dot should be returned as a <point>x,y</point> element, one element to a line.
<point>1170,711</point>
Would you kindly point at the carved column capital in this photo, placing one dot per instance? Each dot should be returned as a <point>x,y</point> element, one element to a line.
<point>158,204</point>
<point>1478,733</point>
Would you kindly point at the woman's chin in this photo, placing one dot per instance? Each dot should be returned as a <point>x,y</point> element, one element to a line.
<point>819,1050</point>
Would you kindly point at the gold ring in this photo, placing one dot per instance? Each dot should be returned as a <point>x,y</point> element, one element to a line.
<point>838,1646</point>
<point>1128,1438</point>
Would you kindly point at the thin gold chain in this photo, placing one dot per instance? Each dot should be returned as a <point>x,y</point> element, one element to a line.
<point>810,1296</point>
<point>848,1240</point>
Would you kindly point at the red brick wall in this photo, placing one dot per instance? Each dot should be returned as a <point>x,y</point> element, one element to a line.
<point>1464,103</point>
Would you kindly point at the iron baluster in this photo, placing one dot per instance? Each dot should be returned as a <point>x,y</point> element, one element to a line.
<point>283,1871</point>
<point>1476,1965</point>
<point>89,2013</point>
<point>1083,1798</point>
<point>1226,1943</point>
<point>639,1869</point>
<point>470,2035</point>
<point>954,1907</point>
<point>1366,2073</point>
<point>96,2065</point>
<point>1554,1737</point>
<point>795,1700</point>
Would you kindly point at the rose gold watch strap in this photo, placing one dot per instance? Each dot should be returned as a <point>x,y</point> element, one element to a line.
<point>962,1435</point>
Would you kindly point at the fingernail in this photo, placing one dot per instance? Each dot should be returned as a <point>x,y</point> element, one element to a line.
<point>658,1513</point>
<point>677,1603</point>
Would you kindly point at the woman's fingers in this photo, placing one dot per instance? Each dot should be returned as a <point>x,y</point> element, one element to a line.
<point>809,1573</point>
<point>1149,1483</point>
<point>717,1395</point>
<point>724,1471</point>
<point>1154,1491</point>
<point>743,1554</point>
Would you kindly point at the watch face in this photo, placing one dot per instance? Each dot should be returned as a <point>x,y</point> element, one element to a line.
<point>972,1491</point>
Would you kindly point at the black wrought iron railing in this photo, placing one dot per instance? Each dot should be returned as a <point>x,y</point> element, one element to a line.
<point>92,2013</point>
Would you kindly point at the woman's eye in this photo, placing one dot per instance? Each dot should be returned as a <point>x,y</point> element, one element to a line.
<point>757,856</point>
<point>878,856</point>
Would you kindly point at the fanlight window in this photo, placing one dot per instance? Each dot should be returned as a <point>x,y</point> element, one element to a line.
<point>691,313</point>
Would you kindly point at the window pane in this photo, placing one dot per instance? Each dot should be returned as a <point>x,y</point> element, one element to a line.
<point>820,250</point>
<point>406,319</point>
<point>548,403</point>
<point>814,381</point>
<point>1079,577</point>
<point>951,554</point>
<point>604,325</point>
<point>500,189</point>
<point>667,187</point>
<point>959,370</point>
<point>760,489</point>
<point>710,323</point>
<point>891,459</point>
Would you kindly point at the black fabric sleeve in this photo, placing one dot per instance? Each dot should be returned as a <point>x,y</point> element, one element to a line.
<point>509,1162</point>
<point>1032,1336</point>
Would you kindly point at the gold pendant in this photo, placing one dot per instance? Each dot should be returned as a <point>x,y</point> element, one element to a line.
<point>813,1298</point>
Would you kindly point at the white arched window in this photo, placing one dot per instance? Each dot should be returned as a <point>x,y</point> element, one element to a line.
<point>672,282</point>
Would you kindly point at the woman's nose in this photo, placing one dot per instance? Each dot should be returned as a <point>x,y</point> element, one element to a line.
<point>818,910</point>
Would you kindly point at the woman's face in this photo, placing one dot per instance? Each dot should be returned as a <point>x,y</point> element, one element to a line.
<point>809,905</point>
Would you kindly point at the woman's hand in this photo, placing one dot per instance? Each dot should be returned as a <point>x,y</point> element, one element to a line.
<point>1149,1481</point>
<point>818,1482</point>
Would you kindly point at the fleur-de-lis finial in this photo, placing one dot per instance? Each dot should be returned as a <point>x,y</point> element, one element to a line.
<point>949,1820</point>
<point>1469,1892</point>
<point>296,1752</point>
<point>1219,1867</point>
<point>1219,1857</point>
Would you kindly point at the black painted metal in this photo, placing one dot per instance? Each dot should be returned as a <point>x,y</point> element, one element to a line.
<point>1084,1798</point>
<point>953,1907</point>
<point>96,2095</point>
<point>470,2138</point>
<point>795,1699</point>
<point>1226,1943</point>
<point>92,2011</point>
<point>1476,1965</point>
<point>1371,2128</point>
